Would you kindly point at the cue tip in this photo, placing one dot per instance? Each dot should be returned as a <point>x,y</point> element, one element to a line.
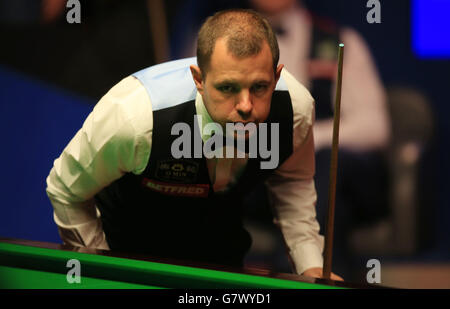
<point>341,45</point>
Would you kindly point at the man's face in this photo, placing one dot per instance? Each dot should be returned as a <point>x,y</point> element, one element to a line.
<point>237,90</point>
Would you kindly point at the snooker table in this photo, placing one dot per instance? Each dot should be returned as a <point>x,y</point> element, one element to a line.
<point>28,264</point>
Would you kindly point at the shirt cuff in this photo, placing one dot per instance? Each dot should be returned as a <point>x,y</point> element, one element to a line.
<point>306,256</point>
<point>88,234</point>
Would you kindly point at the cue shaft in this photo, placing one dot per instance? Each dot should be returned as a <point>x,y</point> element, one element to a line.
<point>328,250</point>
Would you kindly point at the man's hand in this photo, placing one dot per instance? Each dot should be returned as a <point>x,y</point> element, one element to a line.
<point>317,272</point>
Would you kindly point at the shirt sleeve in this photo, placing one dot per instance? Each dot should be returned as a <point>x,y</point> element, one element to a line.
<point>115,139</point>
<point>364,121</point>
<point>291,189</point>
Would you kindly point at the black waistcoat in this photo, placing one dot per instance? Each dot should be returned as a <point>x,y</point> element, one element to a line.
<point>170,210</point>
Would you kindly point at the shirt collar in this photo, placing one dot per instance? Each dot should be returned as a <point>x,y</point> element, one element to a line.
<point>205,117</point>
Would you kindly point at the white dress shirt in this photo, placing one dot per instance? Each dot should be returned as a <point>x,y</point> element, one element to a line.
<point>116,138</point>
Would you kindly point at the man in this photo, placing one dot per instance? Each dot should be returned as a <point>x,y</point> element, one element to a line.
<point>308,46</point>
<point>118,184</point>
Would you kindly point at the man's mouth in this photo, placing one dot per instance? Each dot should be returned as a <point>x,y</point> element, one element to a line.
<point>244,122</point>
<point>241,129</point>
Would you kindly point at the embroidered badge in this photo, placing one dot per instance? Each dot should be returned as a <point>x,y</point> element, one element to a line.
<point>181,171</point>
<point>176,189</point>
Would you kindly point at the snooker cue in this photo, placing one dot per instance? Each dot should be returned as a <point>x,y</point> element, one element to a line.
<point>328,250</point>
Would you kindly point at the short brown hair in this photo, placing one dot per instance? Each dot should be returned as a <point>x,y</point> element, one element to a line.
<point>245,31</point>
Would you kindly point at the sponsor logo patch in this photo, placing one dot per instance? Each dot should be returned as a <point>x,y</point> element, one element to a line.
<point>181,171</point>
<point>189,190</point>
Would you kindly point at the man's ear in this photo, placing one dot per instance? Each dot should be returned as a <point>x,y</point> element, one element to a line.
<point>278,72</point>
<point>198,77</point>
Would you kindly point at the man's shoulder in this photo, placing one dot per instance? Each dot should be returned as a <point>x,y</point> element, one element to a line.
<point>302,101</point>
<point>126,101</point>
<point>124,90</point>
<point>160,70</point>
<point>169,83</point>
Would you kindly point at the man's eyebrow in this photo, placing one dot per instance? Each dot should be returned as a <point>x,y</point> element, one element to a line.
<point>261,81</point>
<point>235,82</point>
<point>226,81</point>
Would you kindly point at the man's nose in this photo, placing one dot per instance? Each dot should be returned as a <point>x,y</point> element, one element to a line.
<point>244,105</point>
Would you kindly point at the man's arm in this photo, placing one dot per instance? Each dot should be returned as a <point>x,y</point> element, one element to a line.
<point>114,140</point>
<point>293,196</point>
<point>292,191</point>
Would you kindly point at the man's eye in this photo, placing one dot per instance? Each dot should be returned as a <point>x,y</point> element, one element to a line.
<point>227,89</point>
<point>259,87</point>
